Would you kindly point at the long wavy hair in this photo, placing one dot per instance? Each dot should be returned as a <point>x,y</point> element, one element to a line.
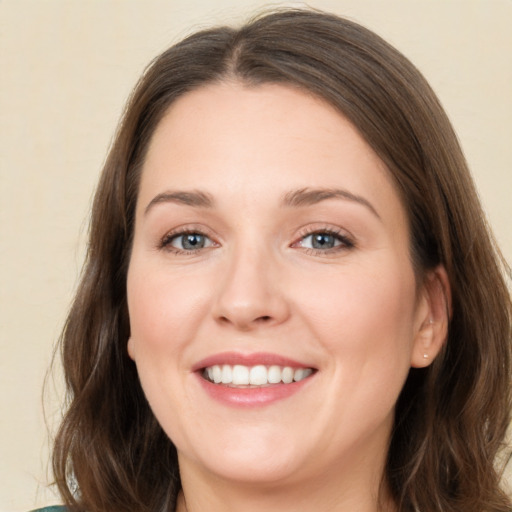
<point>110,453</point>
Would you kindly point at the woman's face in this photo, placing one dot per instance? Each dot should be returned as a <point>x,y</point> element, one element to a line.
<point>270,245</point>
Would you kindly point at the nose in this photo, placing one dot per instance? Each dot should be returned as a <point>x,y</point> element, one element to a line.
<point>251,292</point>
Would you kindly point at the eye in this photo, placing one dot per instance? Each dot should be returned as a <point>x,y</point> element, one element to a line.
<point>325,241</point>
<point>320,241</point>
<point>186,242</point>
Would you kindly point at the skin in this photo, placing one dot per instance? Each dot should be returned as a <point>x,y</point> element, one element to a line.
<point>355,313</point>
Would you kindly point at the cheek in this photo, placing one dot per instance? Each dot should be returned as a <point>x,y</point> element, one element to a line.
<point>164,308</point>
<point>365,316</point>
<point>164,311</point>
<point>364,320</point>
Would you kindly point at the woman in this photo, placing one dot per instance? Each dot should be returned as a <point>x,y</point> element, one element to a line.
<point>291,299</point>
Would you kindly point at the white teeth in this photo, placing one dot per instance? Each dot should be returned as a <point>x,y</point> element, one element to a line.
<point>217,374</point>
<point>240,375</point>
<point>298,374</point>
<point>227,374</point>
<point>287,375</point>
<point>274,375</point>
<point>259,375</point>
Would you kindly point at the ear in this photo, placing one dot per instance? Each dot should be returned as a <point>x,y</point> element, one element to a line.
<point>433,317</point>
<point>130,346</point>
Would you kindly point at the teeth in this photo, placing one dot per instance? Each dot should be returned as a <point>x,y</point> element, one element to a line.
<point>240,375</point>
<point>227,374</point>
<point>259,375</point>
<point>298,374</point>
<point>217,374</point>
<point>287,375</point>
<point>274,375</point>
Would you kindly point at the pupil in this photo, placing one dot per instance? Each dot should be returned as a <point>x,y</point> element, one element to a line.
<point>193,241</point>
<point>323,241</point>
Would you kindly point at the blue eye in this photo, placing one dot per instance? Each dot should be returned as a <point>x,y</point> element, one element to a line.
<point>188,242</point>
<point>325,241</point>
<point>321,241</point>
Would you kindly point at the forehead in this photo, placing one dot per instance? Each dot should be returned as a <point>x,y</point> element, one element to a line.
<point>260,140</point>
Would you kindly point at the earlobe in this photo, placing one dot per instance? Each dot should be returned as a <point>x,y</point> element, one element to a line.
<point>130,348</point>
<point>434,318</point>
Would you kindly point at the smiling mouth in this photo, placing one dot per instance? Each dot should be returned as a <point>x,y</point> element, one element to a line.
<point>254,376</point>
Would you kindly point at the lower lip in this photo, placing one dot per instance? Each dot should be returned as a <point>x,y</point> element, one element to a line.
<point>251,397</point>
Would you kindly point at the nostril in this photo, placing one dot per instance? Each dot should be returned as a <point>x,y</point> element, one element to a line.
<point>265,318</point>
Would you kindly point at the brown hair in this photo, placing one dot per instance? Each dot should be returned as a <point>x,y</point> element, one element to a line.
<point>451,418</point>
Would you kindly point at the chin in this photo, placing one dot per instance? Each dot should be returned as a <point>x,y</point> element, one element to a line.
<point>249,458</point>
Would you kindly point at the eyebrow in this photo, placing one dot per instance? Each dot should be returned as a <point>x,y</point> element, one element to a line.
<point>189,198</point>
<point>311,196</point>
<point>295,198</point>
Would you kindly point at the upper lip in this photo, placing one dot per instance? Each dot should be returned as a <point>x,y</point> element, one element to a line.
<point>253,359</point>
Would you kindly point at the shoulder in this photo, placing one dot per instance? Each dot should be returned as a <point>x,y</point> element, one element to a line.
<point>57,508</point>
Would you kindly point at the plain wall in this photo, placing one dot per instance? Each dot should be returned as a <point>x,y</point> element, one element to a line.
<point>67,68</point>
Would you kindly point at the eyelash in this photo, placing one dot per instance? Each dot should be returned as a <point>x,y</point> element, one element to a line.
<point>166,241</point>
<point>345,242</point>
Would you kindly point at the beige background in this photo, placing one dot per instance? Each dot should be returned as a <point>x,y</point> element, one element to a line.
<point>66,70</point>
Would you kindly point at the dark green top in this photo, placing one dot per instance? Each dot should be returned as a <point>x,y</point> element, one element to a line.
<point>57,508</point>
